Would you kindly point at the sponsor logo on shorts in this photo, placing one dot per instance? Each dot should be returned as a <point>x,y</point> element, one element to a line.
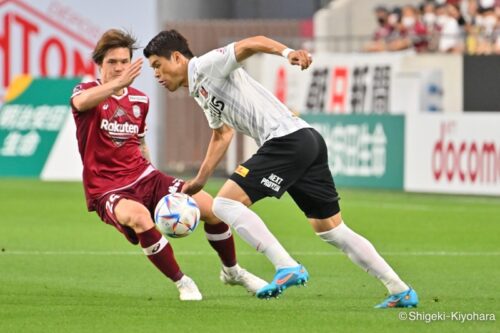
<point>273,182</point>
<point>241,170</point>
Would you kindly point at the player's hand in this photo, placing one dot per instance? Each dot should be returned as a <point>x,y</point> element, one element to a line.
<point>128,76</point>
<point>192,186</point>
<point>300,58</point>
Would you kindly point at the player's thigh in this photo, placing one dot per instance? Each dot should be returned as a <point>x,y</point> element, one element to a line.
<point>105,208</point>
<point>160,184</point>
<point>231,190</point>
<point>315,193</point>
<point>133,214</point>
<point>276,166</point>
<point>155,187</point>
<point>315,208</point>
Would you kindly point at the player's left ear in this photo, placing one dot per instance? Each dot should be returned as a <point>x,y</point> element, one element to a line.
<point>177,57</point>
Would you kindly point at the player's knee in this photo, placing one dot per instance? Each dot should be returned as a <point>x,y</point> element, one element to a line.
<point>227,210</point>
<point>209,218</point>
<point>219,208</point>
<point>140,221</point>
<point>326,224</point>
<point>206,213</point>
<point>204,202</point>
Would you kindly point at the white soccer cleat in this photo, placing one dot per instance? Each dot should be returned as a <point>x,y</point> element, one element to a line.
<point>188,291</point>
<point>237,276</point>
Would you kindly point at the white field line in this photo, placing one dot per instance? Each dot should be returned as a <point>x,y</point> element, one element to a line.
<point>447,206</point>
<point>243,253</point>
<point>409,206</point>
<point>385,205</point>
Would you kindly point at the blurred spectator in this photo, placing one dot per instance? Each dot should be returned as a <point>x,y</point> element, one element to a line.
<point>454,11</point>
<point>382,32</point>
<point>450,40</point>
<point>429,19</point>
<point>428,12</point>
<point>469,9</point>
<point>395,17</point>
<point>487,24</point>
<point>412,32</point>
<point>451,26</point>
<point>472,31</point>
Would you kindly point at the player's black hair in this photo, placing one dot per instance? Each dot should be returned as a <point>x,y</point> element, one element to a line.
<point>113,39</point>
<point>166,42</point>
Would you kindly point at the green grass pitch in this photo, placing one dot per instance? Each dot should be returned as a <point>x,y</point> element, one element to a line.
<point>62,270</point>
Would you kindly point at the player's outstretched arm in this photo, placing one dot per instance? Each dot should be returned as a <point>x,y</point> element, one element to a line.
<point>261,44</point>
<point>90,98</point>
<point>221,138</point>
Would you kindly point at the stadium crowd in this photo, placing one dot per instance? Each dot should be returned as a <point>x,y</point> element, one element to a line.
<point>449,26</point>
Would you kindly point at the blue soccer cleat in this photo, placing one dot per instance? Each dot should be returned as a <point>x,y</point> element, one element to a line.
<point>284,278</point>
<point>406,299</point>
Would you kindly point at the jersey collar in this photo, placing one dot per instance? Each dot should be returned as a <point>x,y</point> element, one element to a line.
<point>191,76</point>
<point>125,91</point>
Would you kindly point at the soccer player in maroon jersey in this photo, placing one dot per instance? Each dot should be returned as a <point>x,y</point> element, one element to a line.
<point>120,183</point>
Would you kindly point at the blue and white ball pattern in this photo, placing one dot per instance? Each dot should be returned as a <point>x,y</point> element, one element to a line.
<point>177,215</point>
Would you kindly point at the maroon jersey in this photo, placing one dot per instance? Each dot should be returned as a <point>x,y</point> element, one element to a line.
<point>108,140</point>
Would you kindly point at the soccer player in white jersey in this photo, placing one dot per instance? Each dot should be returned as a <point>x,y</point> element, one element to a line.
<point>292,156</point>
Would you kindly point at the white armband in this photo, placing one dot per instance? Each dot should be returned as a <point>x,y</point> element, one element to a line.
<point>286,52</point>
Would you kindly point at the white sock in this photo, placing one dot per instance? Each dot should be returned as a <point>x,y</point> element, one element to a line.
<point>232,270</point>
<point>252,229</point>
<point>362,253</point>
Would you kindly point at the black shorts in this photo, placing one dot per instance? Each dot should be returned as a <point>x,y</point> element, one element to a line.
<point>296,163</point>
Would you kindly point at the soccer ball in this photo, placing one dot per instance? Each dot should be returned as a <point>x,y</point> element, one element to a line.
<point>177,215</point>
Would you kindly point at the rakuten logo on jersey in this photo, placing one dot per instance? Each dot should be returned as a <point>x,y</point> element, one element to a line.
<point>469,161</point>
<point>115,128</point>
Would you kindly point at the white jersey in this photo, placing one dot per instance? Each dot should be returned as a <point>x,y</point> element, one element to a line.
<point>227,94</point>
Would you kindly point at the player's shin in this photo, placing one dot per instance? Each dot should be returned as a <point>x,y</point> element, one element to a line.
<point>252,229</point>
<point>160,253</point>
<point>221,240</point>
<point>364,254</point>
